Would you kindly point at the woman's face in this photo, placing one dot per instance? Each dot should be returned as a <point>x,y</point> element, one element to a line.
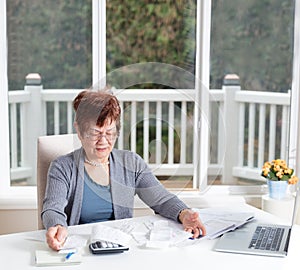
<point>98,142</point>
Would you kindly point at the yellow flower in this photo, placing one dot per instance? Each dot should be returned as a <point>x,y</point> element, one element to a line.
<point>277,170</point>
<point>293,180</point>
<point>288,171</point>
<point>266,171</point>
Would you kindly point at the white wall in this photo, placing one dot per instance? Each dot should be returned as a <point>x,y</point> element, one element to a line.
<point>17,220</point>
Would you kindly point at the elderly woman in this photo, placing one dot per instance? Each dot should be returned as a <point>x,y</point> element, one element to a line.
<point>98,182</point>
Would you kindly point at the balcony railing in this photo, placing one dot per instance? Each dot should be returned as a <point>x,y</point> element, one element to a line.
<point>246,128</point>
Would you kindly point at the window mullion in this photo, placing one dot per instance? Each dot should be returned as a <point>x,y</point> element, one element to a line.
<point>201,111</point>
<point>99,43</point>
<point>294,146</point>
<point>4,139</point>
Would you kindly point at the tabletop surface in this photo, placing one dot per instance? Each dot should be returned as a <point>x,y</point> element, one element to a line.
<point>17,251</point>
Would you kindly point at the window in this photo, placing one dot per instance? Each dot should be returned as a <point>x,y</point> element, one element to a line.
<point>73,48</point>
<point>253,39</point>
<point>206,39</point>
<point>152,44</point>
<point>53,39</point>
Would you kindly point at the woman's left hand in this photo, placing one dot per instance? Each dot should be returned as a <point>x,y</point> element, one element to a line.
<point>192,223</point>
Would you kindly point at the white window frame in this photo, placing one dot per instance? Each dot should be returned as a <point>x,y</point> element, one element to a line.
<point>202,71</point>
<point>99,40</point>
<point>4,136</point>
<point>294,144</point>
<point>99,72</point>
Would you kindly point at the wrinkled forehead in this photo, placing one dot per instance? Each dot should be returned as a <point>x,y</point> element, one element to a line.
<point>108,125</point>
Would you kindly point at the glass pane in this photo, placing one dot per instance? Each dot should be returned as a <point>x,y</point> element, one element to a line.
<point>54,39</point>
<point>150,31</point>
<point>146,40</point>
<point>253,39</point>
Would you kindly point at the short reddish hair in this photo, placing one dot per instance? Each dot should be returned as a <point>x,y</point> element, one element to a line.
<point>98,107</point>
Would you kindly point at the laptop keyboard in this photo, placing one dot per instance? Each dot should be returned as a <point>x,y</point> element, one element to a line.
<point>266,238</point>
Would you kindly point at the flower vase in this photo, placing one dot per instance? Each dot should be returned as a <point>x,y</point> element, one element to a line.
<point>277,189</point>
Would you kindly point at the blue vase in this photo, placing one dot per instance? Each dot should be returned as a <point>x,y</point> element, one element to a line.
<point>277,189</point>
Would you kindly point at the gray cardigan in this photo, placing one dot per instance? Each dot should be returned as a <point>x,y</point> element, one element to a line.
<point>129,175</point>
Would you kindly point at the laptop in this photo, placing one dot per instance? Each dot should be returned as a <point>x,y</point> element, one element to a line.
<point>259,239</point>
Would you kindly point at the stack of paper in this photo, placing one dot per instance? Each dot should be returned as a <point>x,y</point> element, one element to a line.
<point>220,220</point>
<point>158,233</point>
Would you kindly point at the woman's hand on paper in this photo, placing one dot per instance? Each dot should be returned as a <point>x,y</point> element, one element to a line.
<point>192,223</point>
<point>56,237</point>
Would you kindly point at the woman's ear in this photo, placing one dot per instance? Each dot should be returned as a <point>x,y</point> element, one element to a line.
<point>77,130</point>
<point>75,125</point>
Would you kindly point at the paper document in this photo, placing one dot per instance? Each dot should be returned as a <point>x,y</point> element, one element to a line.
<point>158,234</point>
<point>73,241</point>
<point>107,233</point>
<point>221,220</point>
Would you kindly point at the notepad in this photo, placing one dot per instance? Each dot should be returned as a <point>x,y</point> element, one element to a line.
<point>53,258</point>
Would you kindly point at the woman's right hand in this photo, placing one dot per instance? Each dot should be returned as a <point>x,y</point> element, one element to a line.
<point>56,237</point>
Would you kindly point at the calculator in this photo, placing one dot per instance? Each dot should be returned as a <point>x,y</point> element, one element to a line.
<point>104,247</point>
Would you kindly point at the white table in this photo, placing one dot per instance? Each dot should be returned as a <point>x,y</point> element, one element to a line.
<point>17,252</point>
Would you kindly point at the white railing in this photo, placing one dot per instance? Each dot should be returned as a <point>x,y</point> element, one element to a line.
<point>247,127</point>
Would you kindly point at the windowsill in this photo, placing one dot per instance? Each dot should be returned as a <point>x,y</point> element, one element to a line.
<point>19,198</point>
<point>26,198</point>
<point>214,196</point>
<point>18,203</point>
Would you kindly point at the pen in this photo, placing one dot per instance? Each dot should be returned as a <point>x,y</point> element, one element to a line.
<point>69,255</point>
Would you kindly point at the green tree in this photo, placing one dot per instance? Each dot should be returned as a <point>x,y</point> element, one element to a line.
<point>253,39</point>
<point>52,38</point>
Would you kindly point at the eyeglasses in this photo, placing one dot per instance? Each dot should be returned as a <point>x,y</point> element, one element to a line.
<point>96,135</point>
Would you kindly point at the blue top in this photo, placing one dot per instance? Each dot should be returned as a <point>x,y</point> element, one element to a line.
<point>96,202</point>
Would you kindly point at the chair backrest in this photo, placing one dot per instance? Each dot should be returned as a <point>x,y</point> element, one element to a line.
<point>49,148</point>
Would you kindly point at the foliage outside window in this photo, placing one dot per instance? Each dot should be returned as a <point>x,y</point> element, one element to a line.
<point>151,31</point>
<point>253,39</point>
<point>52,38</point>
